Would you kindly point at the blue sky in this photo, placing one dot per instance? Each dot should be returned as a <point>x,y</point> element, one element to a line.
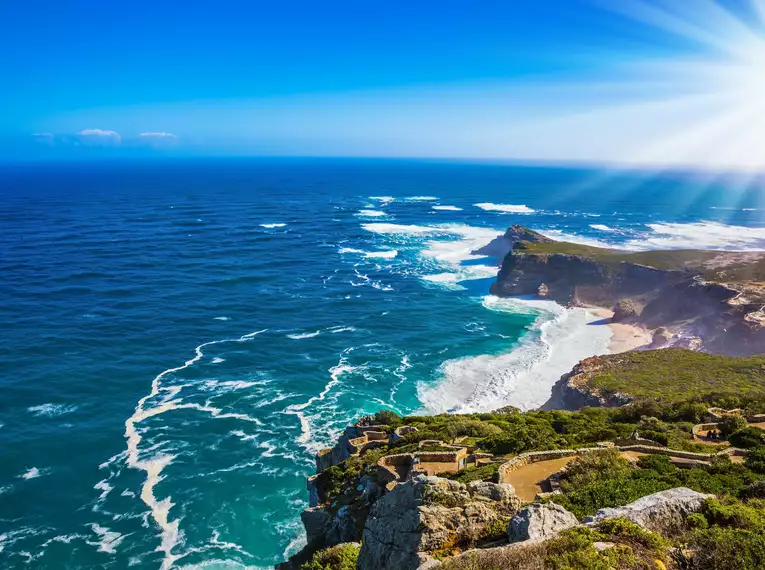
<point>494,79</point>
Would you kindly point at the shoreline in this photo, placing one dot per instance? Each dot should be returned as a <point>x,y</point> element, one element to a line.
<point>624,337</point>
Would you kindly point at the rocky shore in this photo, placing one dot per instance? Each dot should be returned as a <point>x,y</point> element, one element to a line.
<point>392,494</point>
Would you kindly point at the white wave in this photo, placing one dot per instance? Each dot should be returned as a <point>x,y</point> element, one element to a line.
<point>506,208</point>
<point>384,200</point>
<point>218,360</point>
<point>350,250</point>
<point>34,473</point>
<point>524,376</point>
<point>105,489</point>
<point>421,198</point>
<point>274,225</point>
<point>602,228</point>
<point>153,466</point>
<point>701,235</point>
<point>306,430</point>
<point>371,213</point>
<point>108,540</point>
<point>51,410</point>
<point>560,235</point>
<point>448,255</point>
<point>448,208</point>
<point>300,336</point>
<point>335,330</point>
<point>389,254</point>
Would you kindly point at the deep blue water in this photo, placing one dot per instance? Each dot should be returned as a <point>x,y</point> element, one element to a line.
<point>179,337</point>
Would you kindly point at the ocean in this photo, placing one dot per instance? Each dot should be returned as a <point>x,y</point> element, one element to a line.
<point>179,337</point>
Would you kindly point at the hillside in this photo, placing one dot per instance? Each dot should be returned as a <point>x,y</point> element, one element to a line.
<point>706,300</point>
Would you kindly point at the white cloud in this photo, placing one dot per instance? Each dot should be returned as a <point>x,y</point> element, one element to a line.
<point>100,136</point>
<point>160,135</point>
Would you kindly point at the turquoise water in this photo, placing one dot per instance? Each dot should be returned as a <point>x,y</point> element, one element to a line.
<point>180,337</point>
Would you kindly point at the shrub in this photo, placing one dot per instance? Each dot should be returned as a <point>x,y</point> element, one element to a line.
<point>388,418</point>
<point>730,424</point>
<point>728,548</point>
<point>734,514</point>
<point>747,438</point>
<point>697,521</point>
<point>756,459</point>
<point>755,490</point>
<point>340,557</point>
<point>590,467</point>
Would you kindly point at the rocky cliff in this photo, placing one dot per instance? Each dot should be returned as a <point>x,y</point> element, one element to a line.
<point>710,301</point>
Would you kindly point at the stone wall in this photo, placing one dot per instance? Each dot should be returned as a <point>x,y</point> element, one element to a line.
<point>386,471</point>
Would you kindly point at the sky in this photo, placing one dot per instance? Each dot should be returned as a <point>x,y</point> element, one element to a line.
<point>626,81</point>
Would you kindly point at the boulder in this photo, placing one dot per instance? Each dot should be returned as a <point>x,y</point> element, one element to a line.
<point>539,521</point>
<point>427,514</point>
<point>626,310</point>
<point>662,512</point>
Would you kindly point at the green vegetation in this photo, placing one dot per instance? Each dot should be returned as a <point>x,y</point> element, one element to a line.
<point>341,557</point>
<point>719,266</point>
<point>679,375</point>
<point>603,482</point>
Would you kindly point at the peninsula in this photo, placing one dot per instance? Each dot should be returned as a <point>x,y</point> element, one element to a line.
<point>647,459</point>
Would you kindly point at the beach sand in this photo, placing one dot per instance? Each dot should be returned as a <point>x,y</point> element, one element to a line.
<point>625,337</point>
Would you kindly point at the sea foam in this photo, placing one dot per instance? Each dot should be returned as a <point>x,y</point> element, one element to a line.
<point>522,377</point>
<point>505,208</point>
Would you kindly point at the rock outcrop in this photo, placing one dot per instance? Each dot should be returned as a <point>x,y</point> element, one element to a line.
<point>712,301</point>
<point>500,246</point>
<point>540,521</point>
<point>572,392</point>
<point>429,514</point>
<point>663,512</point>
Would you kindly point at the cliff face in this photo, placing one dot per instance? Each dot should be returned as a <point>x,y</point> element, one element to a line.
<point>705,315</point>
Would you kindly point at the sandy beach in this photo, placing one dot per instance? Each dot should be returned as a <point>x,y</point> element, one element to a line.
<point>625,337</point>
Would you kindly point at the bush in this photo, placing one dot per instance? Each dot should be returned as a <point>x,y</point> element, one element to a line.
<point>728,548</point>
<point>747,438</point>
<point>388,418</point>
<point>590,467</point>
<point>730,424</point>
<point>756,459</point>
<point>340,557</point>
<point>755,490</point>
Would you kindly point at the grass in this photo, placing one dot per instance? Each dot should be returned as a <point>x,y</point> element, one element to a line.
<point>678,374</point>
<point>694,261</point>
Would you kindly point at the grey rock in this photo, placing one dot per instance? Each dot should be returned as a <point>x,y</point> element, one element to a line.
<point>539,521</point>
<point>424,515</point>
<point>317,522</point>
<point>660,512</point>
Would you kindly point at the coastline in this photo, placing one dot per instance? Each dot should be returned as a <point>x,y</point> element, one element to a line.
<point>624,337</point>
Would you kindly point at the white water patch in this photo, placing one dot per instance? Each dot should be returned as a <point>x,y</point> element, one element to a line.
<point>274,225</point>
<point>155,464</point>
<point>384,200</point>
<point>108,540</point>
<point>218,360</point>
<point>33,473</point>
<point>350,250</point>
<point>505,208</point>
<point>388,254</point>
<point>421,198</point>
<point>442,259</point>
<point>300,336</point>
<point>51,410</point>
<point>371,214</point>
<point>220,318</point>
<point>701,235</point>
<point>524,376</point>
<point>447,208</point>
<point>306,438</point>
<point>602,228</point>
<point>335,330</point>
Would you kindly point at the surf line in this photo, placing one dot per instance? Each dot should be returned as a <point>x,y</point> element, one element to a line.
<point>160,509</point>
